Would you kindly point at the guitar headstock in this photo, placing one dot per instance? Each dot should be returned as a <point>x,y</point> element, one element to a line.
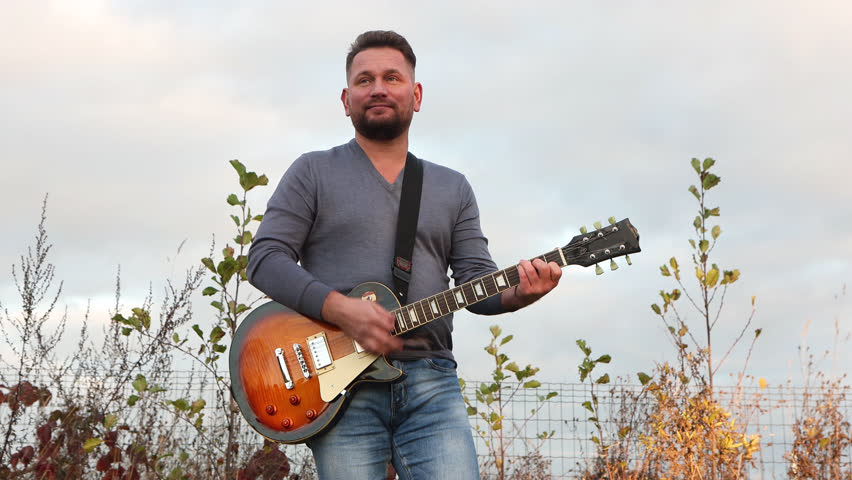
<point>604,243</point>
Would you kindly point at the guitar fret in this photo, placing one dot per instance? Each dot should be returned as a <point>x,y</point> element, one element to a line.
<point>490,286</point>
<point>448,297</point>
<point>424,312</point>
<point>467,290</point>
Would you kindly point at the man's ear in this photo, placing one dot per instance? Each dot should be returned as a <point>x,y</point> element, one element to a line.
<point>344,98</point>
<point>418,96</point>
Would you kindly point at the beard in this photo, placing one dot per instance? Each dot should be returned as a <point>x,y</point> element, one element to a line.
<point>382,129</point>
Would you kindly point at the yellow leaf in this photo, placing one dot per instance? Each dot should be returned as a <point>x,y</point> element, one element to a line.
<point>762,382</point>
<point>91,444</point>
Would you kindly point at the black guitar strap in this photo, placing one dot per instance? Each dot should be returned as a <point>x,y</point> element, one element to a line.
<point>406,225</point>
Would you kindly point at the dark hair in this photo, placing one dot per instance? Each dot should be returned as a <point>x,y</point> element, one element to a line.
<point>380,39</point>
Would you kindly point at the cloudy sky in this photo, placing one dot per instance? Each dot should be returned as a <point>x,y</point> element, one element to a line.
<point>559,114</point>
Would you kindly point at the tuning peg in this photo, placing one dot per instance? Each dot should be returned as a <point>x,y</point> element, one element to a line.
<point>611,220</point>
<point>583,230</point>
<point>613,265</point>
<point>597,225</point>
<point>598,270</point>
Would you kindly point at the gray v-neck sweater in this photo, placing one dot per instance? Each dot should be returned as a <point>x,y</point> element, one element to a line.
<point>331,225</point>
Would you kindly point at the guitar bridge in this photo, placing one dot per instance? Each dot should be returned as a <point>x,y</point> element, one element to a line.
<point>301,358</point>
<point>288,382</point>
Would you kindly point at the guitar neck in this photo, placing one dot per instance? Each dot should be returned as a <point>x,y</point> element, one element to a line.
<point>588,249</point>
<point>421,312</point>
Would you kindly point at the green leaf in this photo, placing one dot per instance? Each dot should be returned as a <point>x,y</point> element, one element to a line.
<point>532,384</point>
<point>197,330</point>
<point>697,222</point>
<point>506,339</point>
<point>236,220</point>
<point>233,200</point>
<point>126,331</point>
<point>696,165</point>
<point>208,262</point>
<point>197,406</point>
<point>512,367</point>
<point>582,344</point>
<point>110,420</point>
<point>644,378</point>
<point>140,384</point>
<point>495,331</point>
<point>218,306</point>
<point>710,181</point>
<point>180,404</point>
<point>623,431</point>
<point>176,338</point>
<point>588,406</point>
<point>603,359</point>
<point>238,166</point>
<point>703,245</point>
<point>216,334</point>
<point>708,162</point>
<point>91,444</point>
<point>219,348</point>
<point>656,309</point>
<point>131,400</point>
<point>604,379</point>
<point>694,191</point>
<point>471,411</point>
<point>717,230</point>
<point>596,439</point>
<point>209,291</point>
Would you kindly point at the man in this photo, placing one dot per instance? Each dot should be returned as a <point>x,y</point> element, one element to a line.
<point>335,212</point>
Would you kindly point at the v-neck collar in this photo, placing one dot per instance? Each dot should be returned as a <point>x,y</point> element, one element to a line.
<point>362,155</point>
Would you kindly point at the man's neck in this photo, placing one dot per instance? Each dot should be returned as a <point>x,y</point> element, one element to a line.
<point>388,157</point>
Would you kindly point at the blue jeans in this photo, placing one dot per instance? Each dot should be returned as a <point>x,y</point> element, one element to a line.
<point>420,424</point>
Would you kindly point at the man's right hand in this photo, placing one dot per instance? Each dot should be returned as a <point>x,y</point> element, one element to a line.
<point>367,322</point>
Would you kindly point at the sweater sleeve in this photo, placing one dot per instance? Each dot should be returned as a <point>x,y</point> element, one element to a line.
<point>275,252</point>
<point>469,255</point>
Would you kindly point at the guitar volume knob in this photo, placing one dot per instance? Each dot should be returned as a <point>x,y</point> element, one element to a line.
<point>295,399</point>
<point>286,423</point>
<point>311,414</point>
<point>271,410</point>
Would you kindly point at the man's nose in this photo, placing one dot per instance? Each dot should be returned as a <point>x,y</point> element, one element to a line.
<point>379,89</point>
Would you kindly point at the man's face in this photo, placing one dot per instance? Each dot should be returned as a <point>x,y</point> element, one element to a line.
<point>381,96</point>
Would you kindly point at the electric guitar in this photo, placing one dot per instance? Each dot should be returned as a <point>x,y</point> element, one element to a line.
<point>291,375</point>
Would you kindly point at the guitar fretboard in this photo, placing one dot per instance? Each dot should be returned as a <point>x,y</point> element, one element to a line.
<point>423,311</point>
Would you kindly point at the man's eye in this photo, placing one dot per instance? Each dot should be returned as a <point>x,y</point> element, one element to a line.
<point>363,81</point>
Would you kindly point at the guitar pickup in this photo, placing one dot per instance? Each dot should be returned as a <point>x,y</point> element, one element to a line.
<point>321,355</point>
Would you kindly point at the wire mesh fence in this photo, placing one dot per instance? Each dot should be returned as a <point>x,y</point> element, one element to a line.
<point>554,442</point>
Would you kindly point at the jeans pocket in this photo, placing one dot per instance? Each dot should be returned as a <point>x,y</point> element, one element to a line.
<point>442,365</point>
